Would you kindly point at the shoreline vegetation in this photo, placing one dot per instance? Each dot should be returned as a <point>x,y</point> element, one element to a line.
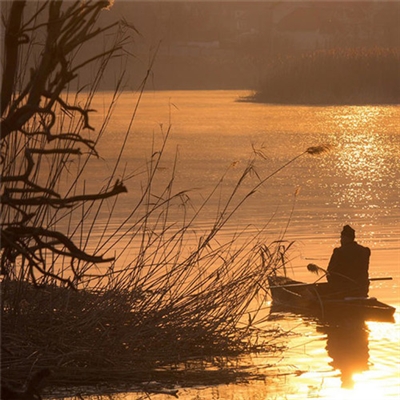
<point>172,315</point>
<point>354,76</point>
<point>70,303</point>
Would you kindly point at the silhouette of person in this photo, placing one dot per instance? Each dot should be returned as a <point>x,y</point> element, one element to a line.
<point>348,266</point>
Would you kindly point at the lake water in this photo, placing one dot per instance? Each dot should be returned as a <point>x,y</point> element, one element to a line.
<point>357,182</point>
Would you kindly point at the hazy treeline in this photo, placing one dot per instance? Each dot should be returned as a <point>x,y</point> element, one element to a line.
<point>337,76</point>
<point>229,44</point>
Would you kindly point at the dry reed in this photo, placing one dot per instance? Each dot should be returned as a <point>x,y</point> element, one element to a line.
<point>161,311</point>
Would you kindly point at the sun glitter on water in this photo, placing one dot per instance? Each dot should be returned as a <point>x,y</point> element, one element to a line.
<point>360,156</point>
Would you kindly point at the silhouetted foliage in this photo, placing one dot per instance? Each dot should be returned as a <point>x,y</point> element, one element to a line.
<point>34,129</point>
<point>162,310</point>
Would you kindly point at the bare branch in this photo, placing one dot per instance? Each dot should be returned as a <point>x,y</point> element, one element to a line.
<point>11,47</point>
<point>12,235</point>
<point>67,202</point>
<point>30,164</point>
<point>31,120</point>
<point>84,113</point>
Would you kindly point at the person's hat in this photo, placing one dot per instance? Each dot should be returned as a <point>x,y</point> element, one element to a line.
<point>348,231</point>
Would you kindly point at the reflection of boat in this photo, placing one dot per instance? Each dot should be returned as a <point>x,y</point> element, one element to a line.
<point>314,300</point>
<point>347,345</point>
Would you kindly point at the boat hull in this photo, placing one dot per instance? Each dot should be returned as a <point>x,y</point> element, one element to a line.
<point>314,300</point>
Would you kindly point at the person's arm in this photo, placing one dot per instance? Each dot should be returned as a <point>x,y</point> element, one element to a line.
<point>332,266</point>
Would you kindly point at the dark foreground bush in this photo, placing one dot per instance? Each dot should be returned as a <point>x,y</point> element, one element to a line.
<point>337,76</point>
<point>119,335</point>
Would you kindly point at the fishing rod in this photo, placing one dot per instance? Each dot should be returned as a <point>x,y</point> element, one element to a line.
<point>316,270</point>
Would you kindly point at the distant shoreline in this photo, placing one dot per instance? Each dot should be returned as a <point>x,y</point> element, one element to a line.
<point>359,76</point>
<point>320,78</point>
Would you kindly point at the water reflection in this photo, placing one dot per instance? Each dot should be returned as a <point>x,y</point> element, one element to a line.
<point>357,181</point>
<point>347,345</point>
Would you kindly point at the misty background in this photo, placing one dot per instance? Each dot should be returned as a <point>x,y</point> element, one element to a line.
<point>229,44</point>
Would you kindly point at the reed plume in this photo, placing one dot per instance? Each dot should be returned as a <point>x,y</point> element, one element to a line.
<point>316,150</point>
<point>314,269</point>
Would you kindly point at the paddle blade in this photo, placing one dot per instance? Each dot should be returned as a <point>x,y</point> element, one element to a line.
<point>314,268</point>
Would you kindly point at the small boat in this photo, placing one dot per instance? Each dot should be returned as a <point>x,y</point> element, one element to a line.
<point>312,299</point>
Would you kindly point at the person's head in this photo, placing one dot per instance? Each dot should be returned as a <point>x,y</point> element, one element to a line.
<point>347,235</point>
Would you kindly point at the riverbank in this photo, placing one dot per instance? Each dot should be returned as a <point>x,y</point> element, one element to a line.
<point>333,77</point>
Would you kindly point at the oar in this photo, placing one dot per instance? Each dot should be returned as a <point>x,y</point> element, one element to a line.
<point>316,270</point>
<point>289,285</point>
<point>383,278</point>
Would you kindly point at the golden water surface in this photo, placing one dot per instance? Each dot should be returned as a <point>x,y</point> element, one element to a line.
<point>357,182</point>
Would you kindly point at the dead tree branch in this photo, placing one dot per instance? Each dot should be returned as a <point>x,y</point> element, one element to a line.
<point>33,110</point>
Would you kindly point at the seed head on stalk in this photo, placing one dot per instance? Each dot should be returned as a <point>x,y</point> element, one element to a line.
<point>315,150</point>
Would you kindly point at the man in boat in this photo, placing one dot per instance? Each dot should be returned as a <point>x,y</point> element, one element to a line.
<point>348,267</point>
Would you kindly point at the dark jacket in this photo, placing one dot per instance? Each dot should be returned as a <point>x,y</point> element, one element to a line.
<point>348,269</point>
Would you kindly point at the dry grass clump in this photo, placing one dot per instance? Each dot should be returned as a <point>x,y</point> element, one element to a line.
<point>335,76</point>
<point>98,301</point>
<point>160,310</point>
<point>138,333</point>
